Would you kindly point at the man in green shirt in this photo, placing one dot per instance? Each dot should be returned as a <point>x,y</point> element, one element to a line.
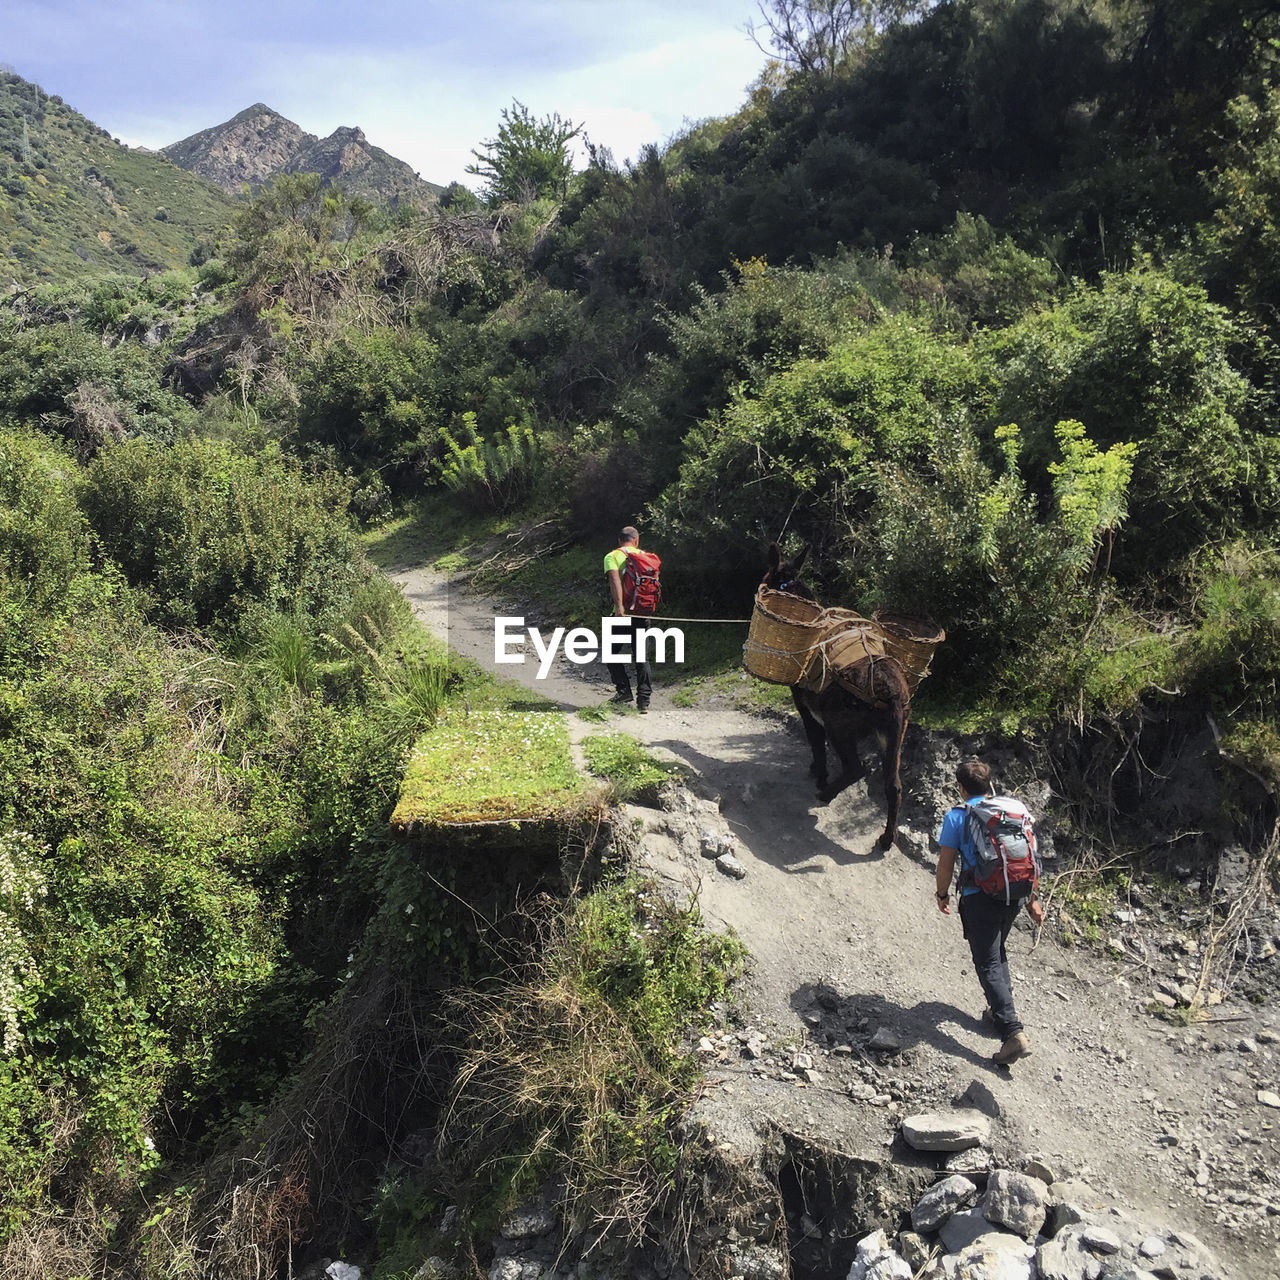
<point>615,566</point>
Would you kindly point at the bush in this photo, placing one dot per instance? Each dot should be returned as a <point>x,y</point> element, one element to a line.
<point>802,456</point>
<point>578,1063</point>
<point>971,548</point>
<point>63,377</point>
<point>1148,361</point>
<point>495,474</point>
<point>210,532</point>
<point>373,402</point>
<point>43,543</point>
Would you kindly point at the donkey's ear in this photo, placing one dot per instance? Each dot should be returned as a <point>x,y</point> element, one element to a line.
<point>775,556</point>
<point>798,563</point>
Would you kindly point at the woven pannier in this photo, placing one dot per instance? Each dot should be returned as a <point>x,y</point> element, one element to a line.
<point>784,630</point>
<point>843,642</point>
<point>910,640</point>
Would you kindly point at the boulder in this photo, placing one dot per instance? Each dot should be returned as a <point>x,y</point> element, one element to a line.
<point>994,1256</point>
<point>964,1228</point>
<point>1017,1202</point>
<point>528,1221</point>
<point>941,1201</point>
<point>946,1131</point>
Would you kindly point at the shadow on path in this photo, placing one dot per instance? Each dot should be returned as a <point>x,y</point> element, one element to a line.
<point>773,815</point>
<point>919,1024</point>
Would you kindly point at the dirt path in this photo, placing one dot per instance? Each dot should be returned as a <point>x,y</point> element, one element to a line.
<point>844,939</point>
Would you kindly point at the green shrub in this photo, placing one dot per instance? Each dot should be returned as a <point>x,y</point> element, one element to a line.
<point>43,542</point>
<point>496,474</point>
<point>63,377</point>
<point>209,531</point>
<point>802,457</point>
<point>1148,361</point>
<point>1232,654</point>
<point>972,549</point>
<point>374,402</point>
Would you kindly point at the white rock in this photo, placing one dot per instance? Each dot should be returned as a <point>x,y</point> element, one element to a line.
<point>1152,1247</point>
<point>995,1256</point>
<point>1100,1240</point>
<point>946,1131</point>
<point>1016,1201</point>
<point>973,1160</point>
<point>1269,1098</point>
<point>728,865</point>
<point>342,1271</point>
<point>875,1260</point>
<point>965,1228</point>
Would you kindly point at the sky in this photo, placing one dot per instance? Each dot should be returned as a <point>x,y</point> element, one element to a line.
<point>426,81</point>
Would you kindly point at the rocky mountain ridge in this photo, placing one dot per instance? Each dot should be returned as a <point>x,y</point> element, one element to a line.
<point>258,143</point>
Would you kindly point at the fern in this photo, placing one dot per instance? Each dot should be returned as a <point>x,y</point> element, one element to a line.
<point>497,473</point>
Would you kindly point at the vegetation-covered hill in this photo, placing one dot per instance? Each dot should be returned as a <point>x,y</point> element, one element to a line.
<point>978,300</point>
<point>74,202</point>
<point>258,143</point>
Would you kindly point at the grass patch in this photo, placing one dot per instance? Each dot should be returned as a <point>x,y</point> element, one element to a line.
<point>434,530</point>
<point>578,1060</point>
<point>491,764</point>
<point>633,771</point>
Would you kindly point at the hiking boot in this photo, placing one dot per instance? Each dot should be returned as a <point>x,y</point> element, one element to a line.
<point>642,708</point>
<point>1015,1047</point>
<point>621,697</point>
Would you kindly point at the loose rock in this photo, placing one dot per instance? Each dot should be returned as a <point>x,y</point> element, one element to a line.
<point>941,1201</point>
<point>1016,1201</point>
<point>730,866</point>
<point>874,1260</point>
<point>952,1131</point>
<point>885,1041</point>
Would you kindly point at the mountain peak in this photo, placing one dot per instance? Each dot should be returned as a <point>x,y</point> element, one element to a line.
<point>258,143</point>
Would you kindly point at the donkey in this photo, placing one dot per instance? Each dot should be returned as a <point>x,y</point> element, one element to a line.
<point>881,707</point>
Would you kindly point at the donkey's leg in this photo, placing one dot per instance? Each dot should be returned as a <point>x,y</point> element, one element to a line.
<point>891,765</point>
<point>816,735</point>
<point>845,720</point>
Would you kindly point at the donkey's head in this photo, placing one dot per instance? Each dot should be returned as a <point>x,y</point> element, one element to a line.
<point>784,575</point>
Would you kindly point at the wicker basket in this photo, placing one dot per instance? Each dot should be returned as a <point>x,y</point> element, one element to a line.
<point>910,640</point>
<point>784,630</point>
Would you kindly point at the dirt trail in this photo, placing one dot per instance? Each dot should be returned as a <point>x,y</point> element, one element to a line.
<point>1111,1094</point>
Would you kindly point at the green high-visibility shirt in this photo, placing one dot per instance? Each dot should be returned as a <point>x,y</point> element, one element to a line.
<point>616,559</point>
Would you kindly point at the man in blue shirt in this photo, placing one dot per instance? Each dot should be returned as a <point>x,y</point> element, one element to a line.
<point>986,920</point>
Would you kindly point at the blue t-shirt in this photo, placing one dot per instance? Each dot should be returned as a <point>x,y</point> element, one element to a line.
<point>955,835</point>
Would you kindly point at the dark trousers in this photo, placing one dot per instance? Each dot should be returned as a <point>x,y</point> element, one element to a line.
<point>618,670</point>
<point>987,922</point>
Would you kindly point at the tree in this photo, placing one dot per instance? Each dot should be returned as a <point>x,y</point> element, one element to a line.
<point>816,36</point>
<point>528,160</point>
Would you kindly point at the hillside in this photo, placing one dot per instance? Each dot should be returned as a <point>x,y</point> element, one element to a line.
<point>258,143</point>
<point>72,200</point>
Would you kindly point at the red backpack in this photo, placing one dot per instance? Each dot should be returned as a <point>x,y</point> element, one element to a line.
<point>641,589</point>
